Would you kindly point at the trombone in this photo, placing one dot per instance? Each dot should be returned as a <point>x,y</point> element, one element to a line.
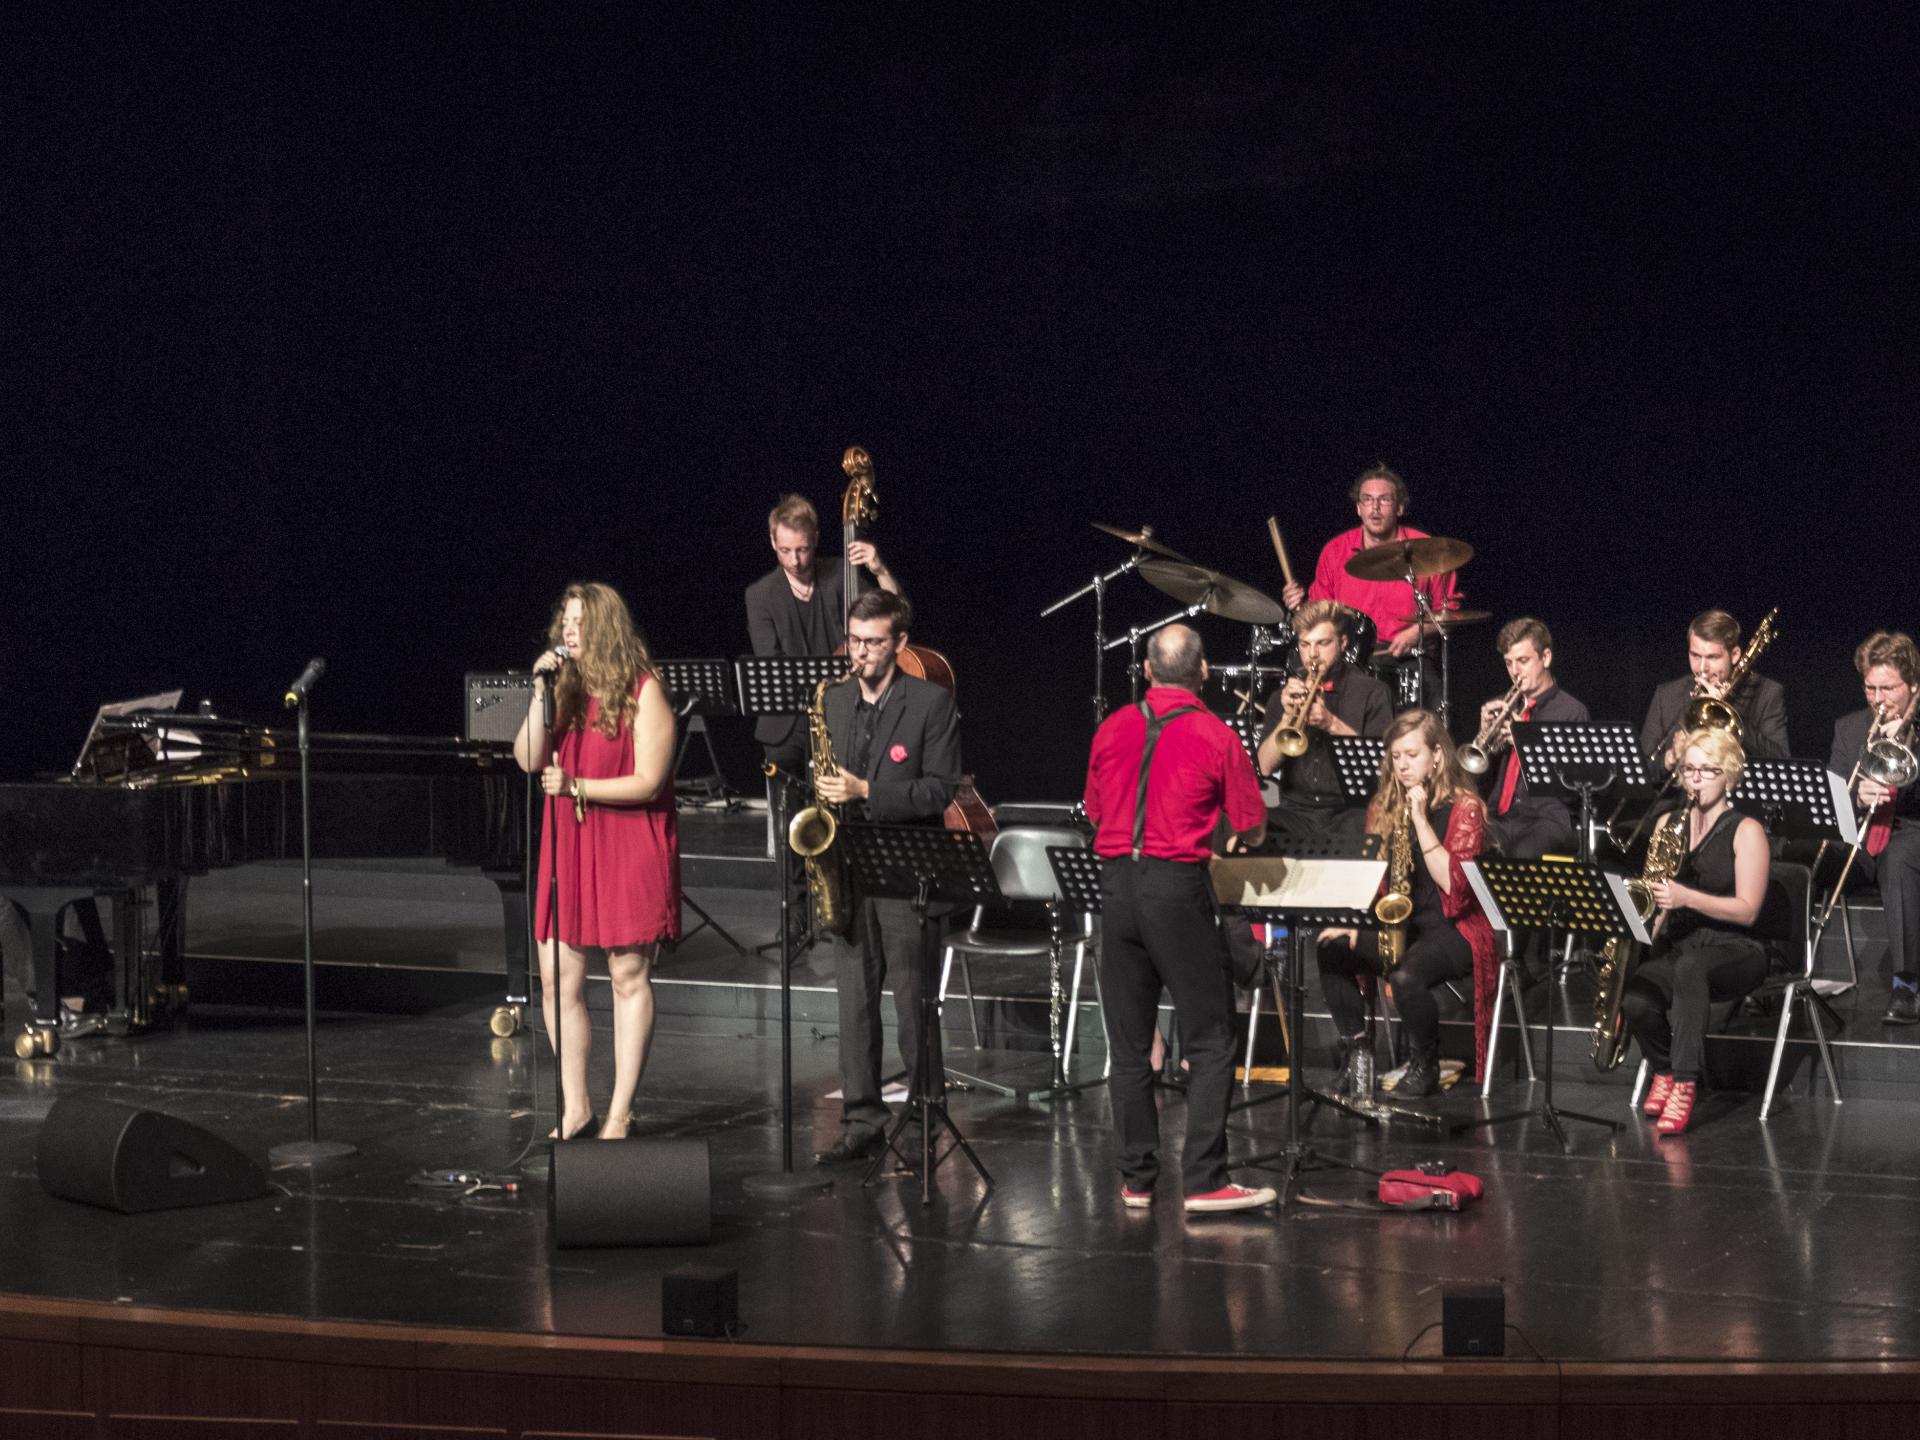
<point>1887,759</point>
<point>1477,756</point>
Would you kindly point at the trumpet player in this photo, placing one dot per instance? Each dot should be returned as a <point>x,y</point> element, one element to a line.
<point>1527,827</point>
<point>896,744</point>
<point>1300,721</point>
<point>1889,856</point>
<point>1426,808</point>
<point>1703,948</point>
<point>1713,653</point>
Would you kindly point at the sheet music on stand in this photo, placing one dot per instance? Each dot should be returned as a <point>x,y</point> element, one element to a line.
<point>1357,760</point>
<point>784,684</point>
<point>1558,756</point>
<point>1311,893</point>
<point>704,687</point>
<point>1797,800</point>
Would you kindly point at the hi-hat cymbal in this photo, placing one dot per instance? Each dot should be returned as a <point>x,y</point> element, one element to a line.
<point>1449,619</point>
<point>1428,555</point>
<point>1143,537</point>
<point>1220,594</point>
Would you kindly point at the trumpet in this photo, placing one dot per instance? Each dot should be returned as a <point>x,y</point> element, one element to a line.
<point>1477,756</point>
<point>1291,733</point>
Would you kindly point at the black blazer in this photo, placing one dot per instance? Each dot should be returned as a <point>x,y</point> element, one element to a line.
<point>1761,704</point>
<point>773,627</point>
<point>921,725</point>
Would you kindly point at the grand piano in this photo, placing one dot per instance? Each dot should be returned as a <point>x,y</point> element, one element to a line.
<point>159,797</point>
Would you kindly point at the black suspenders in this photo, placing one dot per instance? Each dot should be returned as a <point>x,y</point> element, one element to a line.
<point>1155,724</point>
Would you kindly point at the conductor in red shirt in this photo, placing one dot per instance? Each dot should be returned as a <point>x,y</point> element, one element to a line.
<point>1161,775</point>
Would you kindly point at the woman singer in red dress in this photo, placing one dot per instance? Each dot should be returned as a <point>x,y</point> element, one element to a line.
<point>611,827</point>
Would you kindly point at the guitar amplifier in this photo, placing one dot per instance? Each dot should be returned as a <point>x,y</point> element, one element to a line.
<point>497,702</point>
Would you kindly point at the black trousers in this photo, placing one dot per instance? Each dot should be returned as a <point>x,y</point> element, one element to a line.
<point>1896,871</point>
<point>1434,955</point>
<point>1667,998</point>
<point>1158,929</point>
<point>884,942</point>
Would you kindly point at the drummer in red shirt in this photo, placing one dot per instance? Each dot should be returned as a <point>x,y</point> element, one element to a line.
<point>1380,498</point>
<point>1161,775</point>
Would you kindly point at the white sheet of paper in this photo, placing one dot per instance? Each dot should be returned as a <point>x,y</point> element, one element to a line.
<point>1283,882</point>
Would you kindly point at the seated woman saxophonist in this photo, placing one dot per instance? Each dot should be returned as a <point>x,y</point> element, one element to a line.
<point>1426,807</point>
<point>1703,949</point>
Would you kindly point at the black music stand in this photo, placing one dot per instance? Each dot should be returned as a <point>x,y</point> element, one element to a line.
<point>1362,846</point>
<point>1552,895</point>
<point>700,688</point>
<point>1357,760</point>
<point>783,685</point>
<point>1265,888</point>
<point>1803,800</point>
<point>1248,726</point>
<point>1076,870</point>
<point>926,866</point>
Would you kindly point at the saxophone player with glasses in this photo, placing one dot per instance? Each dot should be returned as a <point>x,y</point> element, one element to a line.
<point>1426,808</point>
<point>896,759</point>
<point>1703,947</point>
<point>1875,746</point>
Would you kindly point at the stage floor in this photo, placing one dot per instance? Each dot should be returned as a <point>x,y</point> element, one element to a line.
<point>1795,1240</point>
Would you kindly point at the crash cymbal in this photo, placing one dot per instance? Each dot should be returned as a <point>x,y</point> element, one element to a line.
<point>1449,619</point>
<point>1428,555</point>
<point>1220,594</point>
<point>1143,537</point>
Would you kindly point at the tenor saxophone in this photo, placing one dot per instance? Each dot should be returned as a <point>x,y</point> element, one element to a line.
<point>1665,851</point>
<point>1394,908</point>
<point>811,833</point>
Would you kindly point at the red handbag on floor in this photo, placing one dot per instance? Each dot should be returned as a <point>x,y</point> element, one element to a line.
<point>1417,1190</point>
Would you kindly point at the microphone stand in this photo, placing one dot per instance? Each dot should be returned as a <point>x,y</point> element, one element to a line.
<point>313,1149</point>
<point>786,1180</point>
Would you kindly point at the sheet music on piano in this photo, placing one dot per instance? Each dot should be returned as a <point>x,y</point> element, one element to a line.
<point>166,748</point>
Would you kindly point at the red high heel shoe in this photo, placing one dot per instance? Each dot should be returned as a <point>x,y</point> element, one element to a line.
<point>1679,1108</point>
<point>1657,1094</point>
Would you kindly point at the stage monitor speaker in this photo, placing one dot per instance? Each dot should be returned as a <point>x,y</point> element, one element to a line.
<point>129,1160</point>
<point>497,702</point>
<point>1473,1320</point>
<point>630,1192</point>
<point>700,1300</point>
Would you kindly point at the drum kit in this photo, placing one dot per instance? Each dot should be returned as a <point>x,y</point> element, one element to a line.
<point>1204,591</point>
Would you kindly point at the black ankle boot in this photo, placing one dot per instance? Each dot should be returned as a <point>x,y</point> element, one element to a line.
<point>1423,1073</point>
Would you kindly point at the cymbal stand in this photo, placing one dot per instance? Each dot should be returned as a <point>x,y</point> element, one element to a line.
<point>1097,587</point>
<point>1138,633</point>
<point>1424,615</point>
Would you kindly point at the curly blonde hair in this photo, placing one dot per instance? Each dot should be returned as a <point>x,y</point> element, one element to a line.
<point>613,657</point>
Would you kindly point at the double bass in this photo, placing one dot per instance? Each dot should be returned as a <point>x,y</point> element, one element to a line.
<point>858,507</point>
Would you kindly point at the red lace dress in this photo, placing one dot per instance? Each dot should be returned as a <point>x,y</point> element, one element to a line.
<point>1466,833</point>
<point>620,865</point>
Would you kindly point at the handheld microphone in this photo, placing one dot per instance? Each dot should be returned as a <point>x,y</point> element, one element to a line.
<point>309,678</point>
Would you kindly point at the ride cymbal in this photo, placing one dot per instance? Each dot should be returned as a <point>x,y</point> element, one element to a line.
<point>1428,555</point>
<point>1143,537</point>
<point>1220,594</point>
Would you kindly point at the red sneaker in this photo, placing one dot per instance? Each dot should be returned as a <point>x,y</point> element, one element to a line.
<point>1135,1199</point>
<point>1231,1197</point>
<point>1679,1108</point>
<point>1657,1093</point>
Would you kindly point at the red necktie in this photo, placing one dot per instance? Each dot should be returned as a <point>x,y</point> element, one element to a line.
<point>1880,826</point>
<point>1510,780</point>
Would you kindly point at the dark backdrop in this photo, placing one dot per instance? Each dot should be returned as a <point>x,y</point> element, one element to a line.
<point>358,330</point>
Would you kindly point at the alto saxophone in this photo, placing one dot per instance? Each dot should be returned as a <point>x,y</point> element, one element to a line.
<point>1394,908</point>
<point>1665,851</point>
<point>812,832</point>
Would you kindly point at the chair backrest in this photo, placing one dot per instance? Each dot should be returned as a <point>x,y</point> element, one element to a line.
<point>1785,922</point>
<point>1019,856</point>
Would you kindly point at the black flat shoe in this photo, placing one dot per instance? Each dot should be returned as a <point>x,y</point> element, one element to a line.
<point>848,1148</point>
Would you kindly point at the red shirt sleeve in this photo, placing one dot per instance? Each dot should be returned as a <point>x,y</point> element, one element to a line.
<point>1326,574</point>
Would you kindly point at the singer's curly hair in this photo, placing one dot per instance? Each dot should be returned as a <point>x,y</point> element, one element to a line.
<point>613,657</point>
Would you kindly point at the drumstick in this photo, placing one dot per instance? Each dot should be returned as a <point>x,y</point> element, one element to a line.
<point>1280,548</point>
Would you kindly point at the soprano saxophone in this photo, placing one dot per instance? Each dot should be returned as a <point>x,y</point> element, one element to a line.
<point>811,833</point>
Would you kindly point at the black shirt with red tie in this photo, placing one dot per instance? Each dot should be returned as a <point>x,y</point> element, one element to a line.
<point>1507,785</point>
